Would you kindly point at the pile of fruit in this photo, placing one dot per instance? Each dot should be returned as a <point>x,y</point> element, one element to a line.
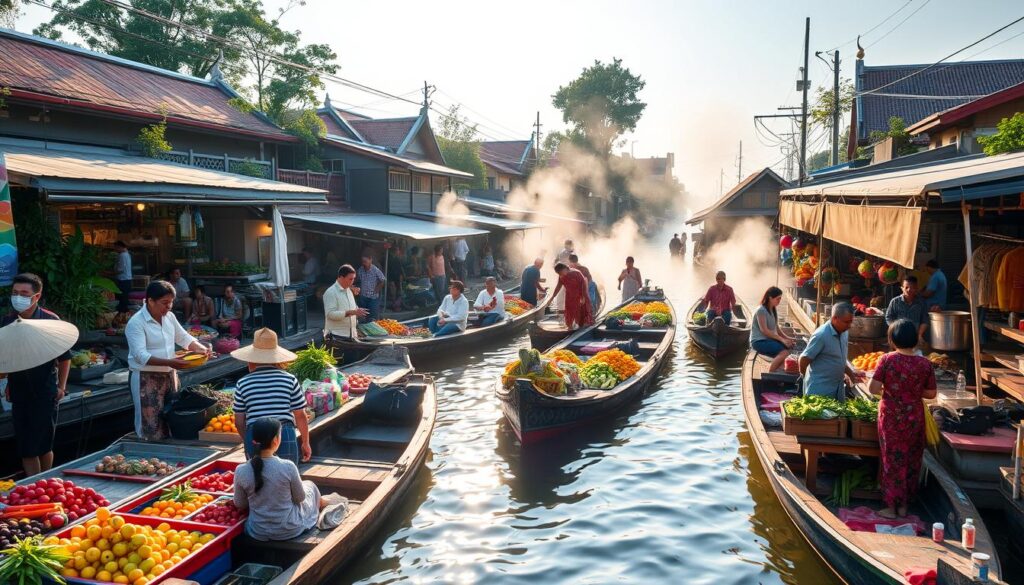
<point>419,332</point>
<point>77,501</point>
<point>563,356</point>
<point>543,372</point>
<point>120,465</point>
<point>109,549</point>
<point>177,502</point>
<point>359,383</point>
<point>514,310</point>
<point>392,327</point>
<point>700,318</point>
<point>514,300</point>
<point>85,359</point>
<point>222,514</point>
<point>222,423</point>
<point>656,320</point>
<point>221,482</point>
<point>868,361</point>
<point>623,364</point>
<point>203,333</point>
<point>598,375</point>
<point>7,485</point>
<point>12,530</point>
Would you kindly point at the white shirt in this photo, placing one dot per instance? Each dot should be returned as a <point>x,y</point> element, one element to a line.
<point>149,338</point>
<point>337,302</point>
<point>181,289</point>
<point>124,266</point>
<point>461,250</point>
<point>457,311</point>
<point>484,299</point>
<point>311,270</point>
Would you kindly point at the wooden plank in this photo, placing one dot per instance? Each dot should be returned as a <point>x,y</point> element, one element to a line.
<point>1008,380</point>
<point>1014,334</point>
<point>379,435</point>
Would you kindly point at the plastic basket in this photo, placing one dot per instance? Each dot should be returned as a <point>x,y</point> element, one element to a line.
<point>251,574</point>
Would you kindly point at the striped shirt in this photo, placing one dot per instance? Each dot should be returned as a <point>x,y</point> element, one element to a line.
<point>269,391</point>
<point>369,279</point>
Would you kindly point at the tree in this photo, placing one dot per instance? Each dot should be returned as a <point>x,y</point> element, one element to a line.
<point>8,13</point>
<point>824,104</point>
<point>1009,136</point>
<point>900,138</point>
<point>818,160</point>
<point>461,149</point>
<point>600,105</point>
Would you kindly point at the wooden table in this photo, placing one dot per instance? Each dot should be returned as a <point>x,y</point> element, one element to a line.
<point>814,447</point>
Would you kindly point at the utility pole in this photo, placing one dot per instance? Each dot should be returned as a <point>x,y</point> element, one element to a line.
<point>536,134</point>
<point>739,165</point>
<point>835,108</point>
<point>428,90</point>
<point>803,85</point>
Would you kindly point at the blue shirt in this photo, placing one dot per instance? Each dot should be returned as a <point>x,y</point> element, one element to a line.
<point>368,279</point>
<point>528,287</point>
<point>827,350</point>
<point>938,285</point>
<point>916,312</point>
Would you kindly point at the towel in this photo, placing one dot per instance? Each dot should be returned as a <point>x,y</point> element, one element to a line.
<point>920,576</point>
<point>864,519</point>
<point>333,513</point>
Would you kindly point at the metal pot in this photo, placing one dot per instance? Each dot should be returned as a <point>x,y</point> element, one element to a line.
<point>950,330</point>
<point>868,326</point>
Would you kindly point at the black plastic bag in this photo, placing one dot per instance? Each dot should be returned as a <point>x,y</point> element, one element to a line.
<point>188,413</point>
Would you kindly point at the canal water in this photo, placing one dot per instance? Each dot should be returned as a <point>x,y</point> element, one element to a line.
<point>668,491</point>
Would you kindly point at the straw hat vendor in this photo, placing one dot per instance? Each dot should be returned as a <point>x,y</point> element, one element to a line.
<point>268,391</point>
<point>152,334</point>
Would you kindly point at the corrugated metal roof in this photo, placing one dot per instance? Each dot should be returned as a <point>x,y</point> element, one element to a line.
<point>400,161</point>
<point>97,175</point>
<point>734,193</point>
<point>487,206</point>
<point>407,227</point>
<point>473,218</point>
<point>504,155</point>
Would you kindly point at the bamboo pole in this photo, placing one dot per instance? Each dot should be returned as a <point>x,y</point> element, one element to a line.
<point>821,267</point>
<point>1016,463</point>
<point>972,297</point>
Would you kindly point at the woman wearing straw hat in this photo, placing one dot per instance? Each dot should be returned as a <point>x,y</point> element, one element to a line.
<point>268,391</point>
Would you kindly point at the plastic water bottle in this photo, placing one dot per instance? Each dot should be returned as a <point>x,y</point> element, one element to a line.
<point>961,383</point>
<point>967,534</point>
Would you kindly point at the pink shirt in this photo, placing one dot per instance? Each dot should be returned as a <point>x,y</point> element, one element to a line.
<point>720,299</point>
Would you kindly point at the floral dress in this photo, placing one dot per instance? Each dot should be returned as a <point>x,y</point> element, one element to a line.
<point>901,423</point>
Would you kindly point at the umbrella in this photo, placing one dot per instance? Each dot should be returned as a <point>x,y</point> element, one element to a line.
<point>28,343</point>
<point>279,273</point>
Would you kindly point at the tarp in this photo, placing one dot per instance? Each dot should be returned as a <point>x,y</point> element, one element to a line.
<point>280,274</point>
<point>805,217</point>
<point>483,220</point>
<point>885,231</point>
<point>393,225</point>
<point>8,243</point>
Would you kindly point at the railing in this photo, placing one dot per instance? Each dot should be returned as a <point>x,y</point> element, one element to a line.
<point>224,163</point>
<point>333,183</point>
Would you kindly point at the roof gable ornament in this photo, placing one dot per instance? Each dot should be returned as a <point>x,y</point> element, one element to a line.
<point>216,75</point>
<point>327,101</point>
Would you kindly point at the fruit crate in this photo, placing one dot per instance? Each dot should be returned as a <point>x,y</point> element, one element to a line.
<point>217,466</point>
<point>864,430</point>
<point>830,427</point>
<point>228,438</point>
<point>235,528</point>
<point>136,506</point>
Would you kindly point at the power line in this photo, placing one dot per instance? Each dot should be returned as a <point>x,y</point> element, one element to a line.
<point>899,24</point>
<point>463,104</point>
<point>872,29</point>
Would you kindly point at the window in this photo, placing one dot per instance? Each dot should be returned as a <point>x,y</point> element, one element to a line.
<point>421,183</point>
<point>335,165</point>
<point>440,185</point>
<point>399,181</point>
<point>490,182</point>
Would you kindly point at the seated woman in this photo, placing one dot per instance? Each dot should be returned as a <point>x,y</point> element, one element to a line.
<point>202,307</point>
<point>903,379</point>
<point>765,336</point>
<point>281,506</point>
<point>453,314</point>
<point>487,261</point>
<point>231,313</point>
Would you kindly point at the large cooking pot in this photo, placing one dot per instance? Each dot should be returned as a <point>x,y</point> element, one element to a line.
<point>868,326</point>
<point>950,330</point>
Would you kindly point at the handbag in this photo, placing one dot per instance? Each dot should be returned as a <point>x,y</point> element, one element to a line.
<point>977,420</point>
<point>394,402</point>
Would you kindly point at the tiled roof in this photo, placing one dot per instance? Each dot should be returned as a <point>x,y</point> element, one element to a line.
<point>965,81</point>
<point>946,118</point>
<point>407,162</point>
<point>333,127</point>
<point>387,132</point>
<point>504,155</point>
<point>349,116</point>
<point>736,192</point>
<point>39,69</point>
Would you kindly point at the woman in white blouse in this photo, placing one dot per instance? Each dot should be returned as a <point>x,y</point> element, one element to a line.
<point>453,313</point>
<point>152,334</point>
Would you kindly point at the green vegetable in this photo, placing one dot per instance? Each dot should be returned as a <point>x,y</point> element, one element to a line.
<point>850,480</point>
<point>813,407</point>
<point>863,409</point>
<point>657,319</point>
<point>598,375</point>
<point>310,363</point>
<point>29,562</point>
<point>700,318</point>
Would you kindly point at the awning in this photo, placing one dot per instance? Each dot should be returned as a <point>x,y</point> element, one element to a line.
<point>805,217</point>
<point>375,224</point>
<point>885,231</point>
<point>413,164</point>
<point>480,220</point>
<point>495,207</point>
<point>75,176</point>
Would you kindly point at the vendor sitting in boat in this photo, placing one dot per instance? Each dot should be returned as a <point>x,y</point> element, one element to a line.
<point>719,300</point>
<point>453,313</point>
<point>491,302</point>
<point>824,362</point>
<point>766,338</point>
<point>281,506</point>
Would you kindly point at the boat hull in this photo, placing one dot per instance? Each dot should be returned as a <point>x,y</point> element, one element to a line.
<point>717,338</point>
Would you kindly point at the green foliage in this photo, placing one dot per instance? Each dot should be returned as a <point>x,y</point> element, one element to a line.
<point>900,137</point>
<point>242,105</point>
<point>152,139</point>
<point>824,103</point>
<point>249,168</point>
<point>308,128</point>
<point>600,105</point>
<point>461,150</point>
<point>1009,136</point>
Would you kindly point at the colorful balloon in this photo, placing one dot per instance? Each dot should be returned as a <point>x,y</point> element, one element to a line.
<point>888,273</point>
<point>786,241</point>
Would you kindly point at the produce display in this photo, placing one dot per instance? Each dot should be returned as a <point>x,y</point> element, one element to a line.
<point>26,560</point>
<point>598,375</point>
<point>943,362</point>
<point>868,361</point>
<point>516,306</point>
<point>85,359</point>
<point>813,407</point>
<point>700,318</point>
<point>359,383</point>
<point>623,364</point>
<point>542,372</point>
<point>222,514</point>
<point>222,423</point>
<point>311,362</point>
<point>222,482</point>
<point>372,330</point>
<point>11,530</point>
<point>203,332</point>
<point>177,502</point>
<point>392,327</point>
<point>563,356</point>
<point>863,409</point>
<point>656,319</point>
<point>110,549</point>
<point>77,501</point>
<point>7,485</point>
<point>120,465</point>
<point>419,332</point>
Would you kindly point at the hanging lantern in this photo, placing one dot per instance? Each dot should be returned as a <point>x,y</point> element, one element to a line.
<point>888,273</point>
<point>799,246</point>
<point>866,270</point>
<point>829,276</point>
<point>786,241</point>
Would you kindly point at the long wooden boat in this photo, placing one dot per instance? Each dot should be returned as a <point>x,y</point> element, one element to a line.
<point>859,557</point>
<point>717,338</point>
<point>550,329</point>
<point>535,416</point>
<point>420,347</point>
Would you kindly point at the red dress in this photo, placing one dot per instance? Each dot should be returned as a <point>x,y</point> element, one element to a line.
<point>578,310</point>
<point>901,423</point>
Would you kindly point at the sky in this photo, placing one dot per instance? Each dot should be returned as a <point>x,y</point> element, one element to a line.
<point>709,66</point>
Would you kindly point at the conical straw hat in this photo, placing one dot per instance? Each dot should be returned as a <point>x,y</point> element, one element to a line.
<point>264,350</point>
<point>28,343</point>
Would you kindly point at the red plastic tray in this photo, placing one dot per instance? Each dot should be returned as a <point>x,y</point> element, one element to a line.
<point>217,466</point>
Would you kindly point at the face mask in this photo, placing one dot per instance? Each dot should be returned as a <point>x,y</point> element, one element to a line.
<point>21,303</point>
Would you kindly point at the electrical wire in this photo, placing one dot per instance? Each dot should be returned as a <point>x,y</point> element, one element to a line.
<point>463,104</point>
<point>899,24</point>
<point>872,29</point>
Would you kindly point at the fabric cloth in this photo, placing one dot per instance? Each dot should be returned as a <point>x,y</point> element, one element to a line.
<point>369,279</point>
<point>123,266</point>
<point>528,286</point>
<point>150,391</point>
<point>864,519</point>
<point>483,301</point>
<point>916,312</point>
<point>578,310</point>
<point>901,423</point>
<point>938,286</point>
<point>1010,281</point>
<point>768,347</point>
<point>720,298</point>
<point>770,322</point>
<point>630,284</point>
<point>289,448</point>
<point>460,250</point>
<point>455,311</point>
<point>711,315</point>
<point>268,391</point>
<point>285,506</point>
<point>984,270</point>
<point>827,349</point>
<point>921,576</point>
<point>441,330</point>
<point>148,338</point>
<point>337,302</point>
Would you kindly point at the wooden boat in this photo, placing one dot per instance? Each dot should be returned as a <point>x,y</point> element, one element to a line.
<point>420,347</point>
<point>717,338</point>
<point>550,329</point>
<point>535,416</point>
<point>859,557</point>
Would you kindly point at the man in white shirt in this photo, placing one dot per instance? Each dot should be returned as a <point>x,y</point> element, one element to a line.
<point>340,308</point>
<point>459,253</point>
<point>453,314</point>
<point>182,296</point>
<point>491,301</point>
<point>123,275</point>
<point>152,335</point>
<point>310,267</point>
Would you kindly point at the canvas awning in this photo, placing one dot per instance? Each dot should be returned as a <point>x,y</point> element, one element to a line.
<point>87,176</point>
<point>375,224</point>
<point>885,231</point>
<point>805,217</point>
<point>480,220</point>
